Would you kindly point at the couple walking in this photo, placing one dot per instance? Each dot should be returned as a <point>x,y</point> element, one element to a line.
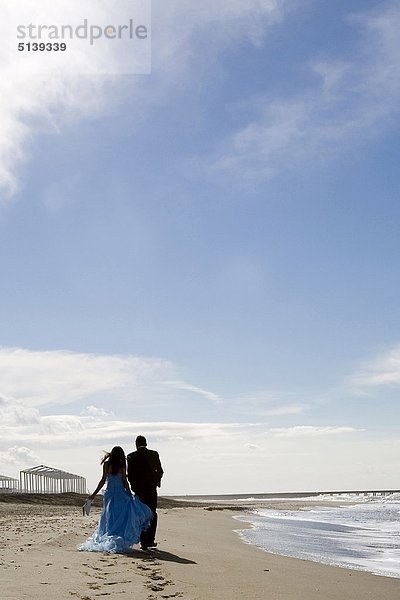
<point>127,519</point>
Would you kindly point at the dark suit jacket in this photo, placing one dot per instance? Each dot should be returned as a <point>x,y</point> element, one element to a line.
<point>144,470</point>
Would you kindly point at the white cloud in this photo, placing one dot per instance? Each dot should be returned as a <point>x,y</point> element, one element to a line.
<point>58,427</point>
<point>60,377</point>
<point>13,412</point>
<point>19,456</point>
<point>285,410</point>
<point>132,384</point>
<point>64,430</point>
<point>311,431</point>
<point>268,403</point>
<point>229,456</point>
<point>76,444</point>
<point>97,413</point>
<point>188,25</point>
<point>381,371</point>
<point>34,101</point>
<point>182,385</point>
<point>353,100</point>
<point>206,457</point>
<point>351,103</point>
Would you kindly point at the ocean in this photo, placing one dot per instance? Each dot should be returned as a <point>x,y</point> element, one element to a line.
<point>362,533</point>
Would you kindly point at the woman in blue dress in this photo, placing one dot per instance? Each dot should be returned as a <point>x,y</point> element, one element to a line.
<point>124,516</point>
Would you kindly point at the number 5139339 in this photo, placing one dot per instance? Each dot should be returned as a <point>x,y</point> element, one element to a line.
<point>42,47</point>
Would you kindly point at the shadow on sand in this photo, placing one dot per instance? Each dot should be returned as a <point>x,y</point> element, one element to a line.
<point>159,555</point>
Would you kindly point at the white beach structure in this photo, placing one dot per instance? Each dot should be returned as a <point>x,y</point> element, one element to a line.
<point>8,484</point>
<point>47,480</point>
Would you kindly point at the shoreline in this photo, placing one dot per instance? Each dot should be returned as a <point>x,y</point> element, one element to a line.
<point>200,556</point>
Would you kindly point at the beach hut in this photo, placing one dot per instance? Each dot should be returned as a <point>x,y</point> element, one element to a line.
<point>8,484</point>
<point>47,480</point>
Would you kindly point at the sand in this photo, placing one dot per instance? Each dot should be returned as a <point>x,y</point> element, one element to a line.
<point>200,557</point>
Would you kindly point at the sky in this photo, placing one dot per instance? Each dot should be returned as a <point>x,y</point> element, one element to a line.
<point>207,253</point>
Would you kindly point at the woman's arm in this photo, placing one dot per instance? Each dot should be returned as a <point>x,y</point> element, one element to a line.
<point>101,482</point>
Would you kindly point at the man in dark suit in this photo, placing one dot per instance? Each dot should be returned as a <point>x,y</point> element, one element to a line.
<point>144,475</point>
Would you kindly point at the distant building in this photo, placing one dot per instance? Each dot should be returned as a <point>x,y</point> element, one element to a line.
<point>47,480</point>
<point>8,484</point>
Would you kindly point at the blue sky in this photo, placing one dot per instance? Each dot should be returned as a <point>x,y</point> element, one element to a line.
<point>209,254</point>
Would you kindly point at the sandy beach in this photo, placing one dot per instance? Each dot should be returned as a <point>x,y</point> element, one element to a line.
<point>199,557</point>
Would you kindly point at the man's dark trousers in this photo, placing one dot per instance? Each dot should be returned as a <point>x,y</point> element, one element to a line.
<point>148,497</point>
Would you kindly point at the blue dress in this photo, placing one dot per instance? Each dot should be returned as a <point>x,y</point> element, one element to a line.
<point>122,520</point>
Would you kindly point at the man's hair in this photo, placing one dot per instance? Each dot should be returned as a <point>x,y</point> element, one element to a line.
<point>140,441</point>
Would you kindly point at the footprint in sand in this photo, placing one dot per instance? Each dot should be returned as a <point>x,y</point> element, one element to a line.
<point>94,586</point>
<point>155,588</point>
<point>96,575</point>
<point>156,577</point>
<point>77,594</point>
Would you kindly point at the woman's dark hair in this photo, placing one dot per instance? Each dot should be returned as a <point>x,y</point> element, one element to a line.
<point>115,459</point>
